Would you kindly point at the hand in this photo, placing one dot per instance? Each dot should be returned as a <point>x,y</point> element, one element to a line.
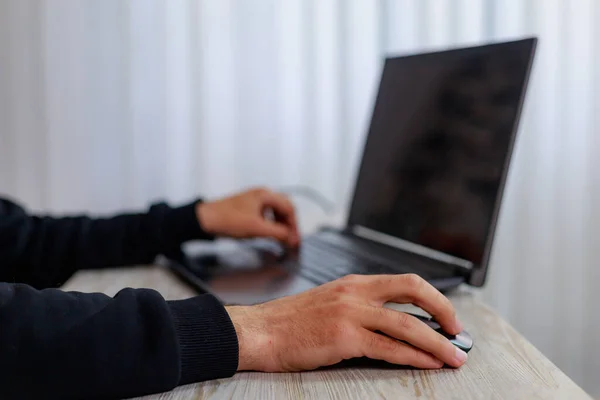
<point>243,216</point>
<point>336,321</point>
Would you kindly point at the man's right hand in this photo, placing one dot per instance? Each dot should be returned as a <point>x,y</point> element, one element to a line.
<point>338,320</point>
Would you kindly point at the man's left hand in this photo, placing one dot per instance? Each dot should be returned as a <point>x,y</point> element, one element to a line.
<point>246,215</point>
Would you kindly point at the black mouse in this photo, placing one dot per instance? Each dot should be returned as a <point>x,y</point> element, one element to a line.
<point>463,340</point>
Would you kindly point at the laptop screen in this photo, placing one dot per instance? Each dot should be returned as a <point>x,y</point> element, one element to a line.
<point>438,147</point>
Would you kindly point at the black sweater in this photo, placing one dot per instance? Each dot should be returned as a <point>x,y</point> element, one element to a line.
<point>64,345</point>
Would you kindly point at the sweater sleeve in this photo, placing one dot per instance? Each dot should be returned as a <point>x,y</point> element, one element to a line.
<point>70,345</point>
<point>44,251</point>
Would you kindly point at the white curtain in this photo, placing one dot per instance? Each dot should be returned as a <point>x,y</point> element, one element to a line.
<point>106,105</point>
<point>113,103</point>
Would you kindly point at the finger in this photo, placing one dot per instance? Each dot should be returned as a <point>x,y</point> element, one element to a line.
<point>284,212</point>
<point>411,288</point>
<point>261,227</point>
<point>380,347</point>
<point>282,206</point>
<point>405,327</point>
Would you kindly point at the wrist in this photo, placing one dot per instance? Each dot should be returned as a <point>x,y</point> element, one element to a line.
<point>254,343</point>
<point>206,218</point>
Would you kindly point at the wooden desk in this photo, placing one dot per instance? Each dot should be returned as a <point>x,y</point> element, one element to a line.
<point>502,364</point>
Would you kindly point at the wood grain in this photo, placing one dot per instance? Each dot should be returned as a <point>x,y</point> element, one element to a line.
<point>502,364</point>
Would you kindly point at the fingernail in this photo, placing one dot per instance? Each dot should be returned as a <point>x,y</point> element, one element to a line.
<point>460,357</point>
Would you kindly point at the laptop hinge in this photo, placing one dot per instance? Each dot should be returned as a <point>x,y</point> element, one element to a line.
<point>410,247</point>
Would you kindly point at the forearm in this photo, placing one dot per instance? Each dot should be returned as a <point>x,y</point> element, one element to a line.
<point>44,251</point>
<point>55,344</point>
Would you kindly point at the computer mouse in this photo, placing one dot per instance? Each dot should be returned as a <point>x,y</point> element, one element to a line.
<point>463,340</point>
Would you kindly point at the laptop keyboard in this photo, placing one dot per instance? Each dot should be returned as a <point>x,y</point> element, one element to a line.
<point>322,261</point>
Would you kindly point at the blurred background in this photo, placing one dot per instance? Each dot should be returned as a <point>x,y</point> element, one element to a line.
<point>108,105</point>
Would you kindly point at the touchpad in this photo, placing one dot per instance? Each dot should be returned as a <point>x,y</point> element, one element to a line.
<point>234,255</point>
<point>245,272</point>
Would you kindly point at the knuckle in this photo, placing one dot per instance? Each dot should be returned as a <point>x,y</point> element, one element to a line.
<point>387,345</point>
<point>415,355</point>
<point>413,280</point>
<point>404,321</point>
<point>372,341</point>
<point>414,283</point>
<point>260,191</point>
<point>342,288</point>
<point>378,344</point>
<point>347,285</point>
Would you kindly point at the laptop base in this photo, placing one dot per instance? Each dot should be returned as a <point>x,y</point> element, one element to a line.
<point>251,272</point>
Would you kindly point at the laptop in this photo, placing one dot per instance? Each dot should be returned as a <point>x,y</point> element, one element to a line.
<point>428,192</point>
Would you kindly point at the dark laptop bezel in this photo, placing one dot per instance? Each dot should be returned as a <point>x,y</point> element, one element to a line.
<point>476,276</point>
